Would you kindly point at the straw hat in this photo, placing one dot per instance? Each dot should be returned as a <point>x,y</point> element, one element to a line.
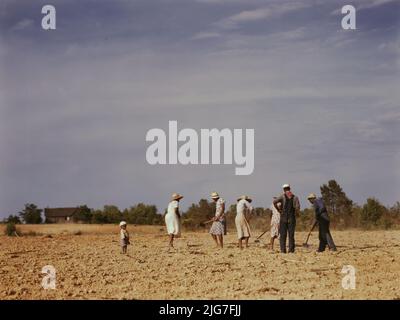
<point>312,196</point>
<point>176,196</point>
<point>244,197</point>
<point>122,223</point>
<point>214,195</point>
<point>286,185</point>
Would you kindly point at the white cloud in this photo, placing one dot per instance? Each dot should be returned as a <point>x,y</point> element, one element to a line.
<point>390,47</point>
<point>365,4</point>
<point>97,100</point>
<point>369,131</point>
<point>23,24</point>
<point>206,35</point>
<point>390,118</point>
<point>227,1</point>
<point>374,4</point>
<point>263,13</point>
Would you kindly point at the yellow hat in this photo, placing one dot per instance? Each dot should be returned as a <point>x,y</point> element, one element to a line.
<point>312,196</point>
<point>176,196</point>
<point>244,197</point>
<point>214,195</point>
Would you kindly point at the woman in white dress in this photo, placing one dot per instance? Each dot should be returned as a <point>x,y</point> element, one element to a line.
<point>217,229</point>
<point>243,211</point>
<point>173,219</point>
<point>275,220</point>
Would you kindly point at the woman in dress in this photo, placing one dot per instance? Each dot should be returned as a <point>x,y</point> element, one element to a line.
<point>243,211</point>
<point>217,229</point>
<point>173,219</point>
<point>275,220</point>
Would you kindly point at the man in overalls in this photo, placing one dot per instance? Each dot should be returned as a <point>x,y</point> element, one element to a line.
<point>322,218</point>
<point>290,207</point>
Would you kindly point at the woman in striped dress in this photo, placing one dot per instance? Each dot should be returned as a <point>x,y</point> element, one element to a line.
<point>217,230</point>
<point>275,221</point>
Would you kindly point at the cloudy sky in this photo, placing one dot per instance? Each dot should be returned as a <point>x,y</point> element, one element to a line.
<point>76,103</point>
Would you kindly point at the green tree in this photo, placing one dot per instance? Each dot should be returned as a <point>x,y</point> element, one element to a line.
<point>31,214</point>
<point>230,216</point>
<point>338,204</point>
<point>335,199</point>
<point>306,219</point>
<point>142,214</point>
<point>395,210</point>
<point>99,217</point>
<point>13,219</point>
<point>260,219</point>
<point>372,212</point>
<point>112,214</point>
<point>84,214</point>
<point>259,212</point>
<point>198,213</point>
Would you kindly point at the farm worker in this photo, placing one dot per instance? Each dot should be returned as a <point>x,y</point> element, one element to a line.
<point>124,236</point>
<point>322,218</point>
<point>243,212</point>
<point>290,205</point>
<point>173,219</point>
<point>275,219</point>
<point>217,229</point>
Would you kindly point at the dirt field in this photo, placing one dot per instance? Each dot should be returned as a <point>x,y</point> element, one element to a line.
<point>89,266</point>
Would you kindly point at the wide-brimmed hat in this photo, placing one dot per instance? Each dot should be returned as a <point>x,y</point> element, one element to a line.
<point>122,223</point>
<point>286,185</point>
<point>312,196</point>
<point>176,196</point>
<point>244,197</point>
<point>214,195</point>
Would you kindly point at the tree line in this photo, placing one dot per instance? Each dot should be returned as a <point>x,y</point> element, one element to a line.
<point>343,211</point>
<point>138,214</point>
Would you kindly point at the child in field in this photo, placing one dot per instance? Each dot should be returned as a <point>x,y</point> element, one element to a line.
<point>124,237</point>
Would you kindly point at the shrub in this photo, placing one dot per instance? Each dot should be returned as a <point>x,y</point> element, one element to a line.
<point>385,222</point>
<point>11,229</point>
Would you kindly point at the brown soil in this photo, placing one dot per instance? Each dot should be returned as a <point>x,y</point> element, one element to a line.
<point>90,266</point>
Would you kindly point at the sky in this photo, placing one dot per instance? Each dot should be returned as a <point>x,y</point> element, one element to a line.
<point>76,102</point>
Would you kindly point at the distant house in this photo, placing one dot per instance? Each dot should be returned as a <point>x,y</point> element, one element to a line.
<point>60,215</point>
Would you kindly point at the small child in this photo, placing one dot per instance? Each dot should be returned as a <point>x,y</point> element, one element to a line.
<point>124,236</point>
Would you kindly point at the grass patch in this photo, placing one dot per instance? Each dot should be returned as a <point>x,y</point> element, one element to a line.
<point>11,229</point>
<point>32,234</point>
